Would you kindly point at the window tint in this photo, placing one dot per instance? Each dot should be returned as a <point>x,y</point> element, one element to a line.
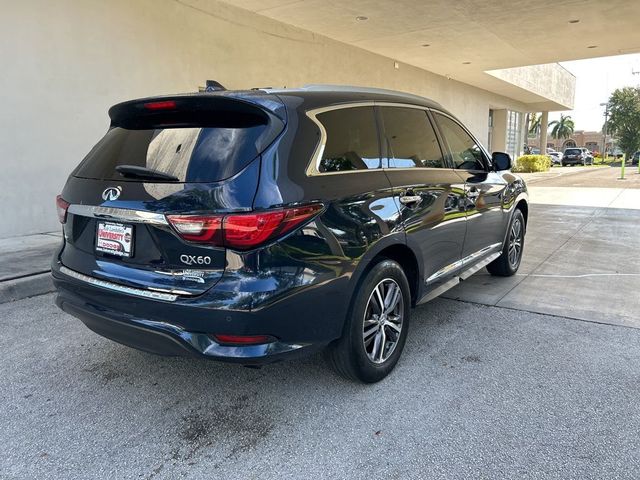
<point>573,151</point>
<point>466,154</point>
<point>352,140</point>
<point>412,140</point>
<point>191,154</point>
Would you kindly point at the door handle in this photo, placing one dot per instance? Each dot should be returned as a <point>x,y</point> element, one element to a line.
<point>410,199</point>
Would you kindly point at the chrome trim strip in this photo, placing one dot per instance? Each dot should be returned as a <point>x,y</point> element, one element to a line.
<point>138,292</point>
<point>313,169</point>
<point>463,262</point>
<point>118,214</point>
<point>481,264</point>
<point>436,292</point>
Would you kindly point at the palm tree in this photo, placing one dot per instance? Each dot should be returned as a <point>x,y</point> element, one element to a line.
<point>562,128</point>
<point>534,124</point>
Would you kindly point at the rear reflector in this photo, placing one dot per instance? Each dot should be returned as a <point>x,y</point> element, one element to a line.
<point>243,339</point>
<point>164,105</point>
<point>61,207</point>
<point>243,231</point>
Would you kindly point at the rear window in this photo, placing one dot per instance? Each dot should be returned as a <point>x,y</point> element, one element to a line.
<point>190,154</point>
<point>573,151</point>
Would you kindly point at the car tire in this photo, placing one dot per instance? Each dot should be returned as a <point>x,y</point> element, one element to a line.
<point>357,354</point>
<point>508,262</point>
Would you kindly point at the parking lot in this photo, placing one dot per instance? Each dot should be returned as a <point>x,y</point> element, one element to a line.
<point>533,376</point>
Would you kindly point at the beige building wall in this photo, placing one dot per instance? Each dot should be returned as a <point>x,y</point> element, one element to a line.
<point>66,62</point>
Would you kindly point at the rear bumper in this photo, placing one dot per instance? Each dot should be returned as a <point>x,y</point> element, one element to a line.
<point>301,321</point>
<point>165,339</point>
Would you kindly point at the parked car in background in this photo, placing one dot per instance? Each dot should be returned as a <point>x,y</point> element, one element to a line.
<point>556,157</point>
<point>588,156</point>
<point>253,226</point>
<point>635,159</point>
<point>617,153</point>
<point>576,156</point>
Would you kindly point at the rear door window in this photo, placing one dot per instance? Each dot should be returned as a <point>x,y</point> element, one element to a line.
<point>412,141</point>
<point>352,140</point>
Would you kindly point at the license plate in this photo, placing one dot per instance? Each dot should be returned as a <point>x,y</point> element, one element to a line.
<point>115,239</point>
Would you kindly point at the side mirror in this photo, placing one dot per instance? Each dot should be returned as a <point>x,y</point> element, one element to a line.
<point>501,161</point>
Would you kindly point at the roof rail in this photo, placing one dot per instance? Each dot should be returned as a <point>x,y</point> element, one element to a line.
<point>350,88</point>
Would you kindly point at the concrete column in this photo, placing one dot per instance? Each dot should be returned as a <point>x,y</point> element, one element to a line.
<point>544,127</point>
<point>523,136</point>
<point>499,139</point>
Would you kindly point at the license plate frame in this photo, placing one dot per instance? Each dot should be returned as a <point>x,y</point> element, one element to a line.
<point>113,238</point>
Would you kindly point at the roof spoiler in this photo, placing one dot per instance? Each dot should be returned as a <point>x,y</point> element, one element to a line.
<point>189,110</point>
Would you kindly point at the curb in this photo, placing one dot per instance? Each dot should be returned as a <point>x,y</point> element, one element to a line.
<point>25,287</point>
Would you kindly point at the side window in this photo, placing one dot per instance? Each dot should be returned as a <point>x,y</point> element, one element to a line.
<point>411,138</point>
<point>466,154</point>
<point>352,140</point>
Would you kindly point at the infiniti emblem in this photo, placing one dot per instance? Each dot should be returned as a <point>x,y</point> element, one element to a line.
<point>111,193</point>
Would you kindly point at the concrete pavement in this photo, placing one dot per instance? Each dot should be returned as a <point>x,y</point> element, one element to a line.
<point>598,176</point>
<point>480,392</point>
<point>25,265</point>
<point>486,387</point>
<point>582,254</point>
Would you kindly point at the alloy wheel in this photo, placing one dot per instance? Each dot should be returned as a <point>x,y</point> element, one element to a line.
<point>383,320</point>
<point>515,243</point>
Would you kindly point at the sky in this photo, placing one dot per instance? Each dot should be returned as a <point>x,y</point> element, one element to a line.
<point>596,79</point>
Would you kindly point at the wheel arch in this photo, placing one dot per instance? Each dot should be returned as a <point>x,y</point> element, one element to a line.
<point>399,252</point>
<point>523,206</point>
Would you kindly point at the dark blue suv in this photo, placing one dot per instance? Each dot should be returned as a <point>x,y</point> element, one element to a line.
<point>250,226</point>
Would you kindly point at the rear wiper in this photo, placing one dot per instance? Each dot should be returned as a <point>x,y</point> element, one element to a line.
<point>134,171</point>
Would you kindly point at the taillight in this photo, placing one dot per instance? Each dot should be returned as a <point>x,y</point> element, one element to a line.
<point>198,228</point>
<point>243,231</point>
<point>61,207</point>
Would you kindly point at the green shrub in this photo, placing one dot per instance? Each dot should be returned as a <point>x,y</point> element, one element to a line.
<point>532,163</point>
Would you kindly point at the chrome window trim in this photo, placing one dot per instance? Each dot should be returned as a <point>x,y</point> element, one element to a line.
<point>138,292</point>
<point>313,167</point>
<point>413,169</point>
<point>118,214</point>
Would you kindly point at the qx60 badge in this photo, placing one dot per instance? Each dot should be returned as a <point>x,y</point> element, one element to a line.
<point>195,260</point>
<point>111,193</point>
